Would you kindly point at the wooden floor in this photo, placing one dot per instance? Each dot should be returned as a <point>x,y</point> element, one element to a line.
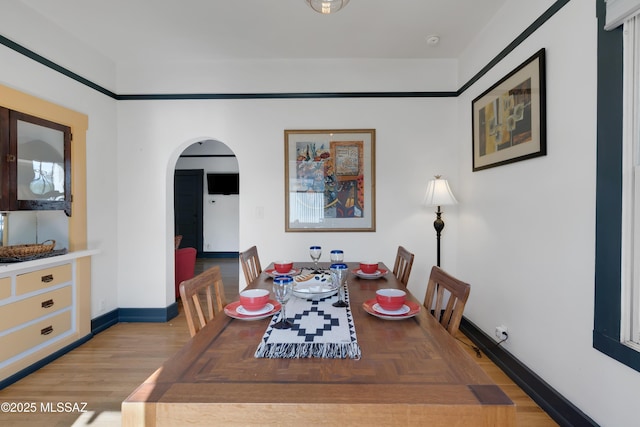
<point>101,373</point>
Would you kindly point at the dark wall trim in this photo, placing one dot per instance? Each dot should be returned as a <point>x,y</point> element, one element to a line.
<point>148,314</point>
<point>39,364</point>
<point>284,95</point>
<point>153,315</point>
<point>104,321</point>
<point>98,325</point>
<point>219,255</point>
<point>553,403</point>
<point>291,95</point>
<point>207,155</point>
<point>55,67</point>
<point>608,281</point>
<point>515,43</point>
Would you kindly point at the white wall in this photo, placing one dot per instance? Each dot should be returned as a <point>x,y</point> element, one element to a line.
<point>131,216</point>
<point>21,25</point>
<point>282,76</point>
<point>414,141</point>
<point>21,73</point>
<point>527,230</point>
<point>523,234</point>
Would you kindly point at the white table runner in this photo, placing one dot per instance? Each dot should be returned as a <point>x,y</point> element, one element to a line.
<point>319,330</point>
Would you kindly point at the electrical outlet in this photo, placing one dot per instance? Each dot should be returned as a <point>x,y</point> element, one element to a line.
<point>502,333</point>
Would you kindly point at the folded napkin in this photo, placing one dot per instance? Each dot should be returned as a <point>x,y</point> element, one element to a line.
<point>319,330</point>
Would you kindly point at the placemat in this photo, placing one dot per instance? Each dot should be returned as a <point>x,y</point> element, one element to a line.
<point>319,330</point>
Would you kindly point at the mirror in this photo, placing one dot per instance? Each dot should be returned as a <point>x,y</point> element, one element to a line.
<point>40,152</point>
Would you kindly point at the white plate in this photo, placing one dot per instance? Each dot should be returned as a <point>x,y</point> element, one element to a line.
<point>267,308</point>
<point>271,272</point>
<point>323,279</point>
<point>377,274</point>
<point>231,310</point>
<point>313,287</point>
<point>314,297</point>
<point>414,309</point>
<point>403,310</point>
<point>314,291</point>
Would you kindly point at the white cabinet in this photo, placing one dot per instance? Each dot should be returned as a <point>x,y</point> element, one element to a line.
<point>42,309</point>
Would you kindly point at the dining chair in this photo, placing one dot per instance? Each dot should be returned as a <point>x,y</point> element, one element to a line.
<point>250,264</point>
<point>403,264</point>
<point>443,289</point>
<point>206,288</point>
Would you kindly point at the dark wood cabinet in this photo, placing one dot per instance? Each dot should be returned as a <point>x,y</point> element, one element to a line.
<point>35,163</point>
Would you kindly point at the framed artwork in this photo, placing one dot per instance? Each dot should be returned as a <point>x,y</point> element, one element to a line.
<point>509,119</point>
<point>330,180</point>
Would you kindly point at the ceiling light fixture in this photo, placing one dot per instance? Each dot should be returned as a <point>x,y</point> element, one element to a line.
<point>433,40</point>
<point>327,6</point>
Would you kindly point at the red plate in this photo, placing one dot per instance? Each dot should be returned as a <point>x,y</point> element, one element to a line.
<point>414,308</point>
<point>231,310</point>
<point>379,273</point>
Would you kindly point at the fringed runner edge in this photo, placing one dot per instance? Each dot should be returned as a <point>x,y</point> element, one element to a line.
<point>328,350</point>
<point>298,350</point>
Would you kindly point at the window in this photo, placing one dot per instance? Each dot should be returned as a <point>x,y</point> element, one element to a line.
<point>612,319</point>
<point>630,271</point>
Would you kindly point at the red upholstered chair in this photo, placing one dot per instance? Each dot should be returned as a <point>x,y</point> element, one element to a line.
<point>185,260</point>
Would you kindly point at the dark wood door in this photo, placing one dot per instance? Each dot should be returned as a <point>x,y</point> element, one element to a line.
<point>187,199</point>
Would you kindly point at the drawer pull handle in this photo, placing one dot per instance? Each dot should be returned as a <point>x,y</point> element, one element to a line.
<point>46,279</point>
<point>47,330</point>
<point>48,303</point>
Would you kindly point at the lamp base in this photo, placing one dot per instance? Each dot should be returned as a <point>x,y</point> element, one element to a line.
<point>438,224</point>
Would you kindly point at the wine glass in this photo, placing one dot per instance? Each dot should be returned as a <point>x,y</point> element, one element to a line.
<point>337,256</point>
<point>339,277</point>
<point>282,290</point>
<point>315,252</point>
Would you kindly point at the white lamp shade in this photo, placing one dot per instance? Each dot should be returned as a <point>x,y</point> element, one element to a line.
<point>439,193</point>
<point>327,6</point>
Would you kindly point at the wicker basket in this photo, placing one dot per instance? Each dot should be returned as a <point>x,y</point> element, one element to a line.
<point>26,250</point>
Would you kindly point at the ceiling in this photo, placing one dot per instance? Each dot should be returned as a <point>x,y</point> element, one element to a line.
<point>142,31</point>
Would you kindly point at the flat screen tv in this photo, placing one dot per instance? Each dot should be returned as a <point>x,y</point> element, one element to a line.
<point>223,183</point>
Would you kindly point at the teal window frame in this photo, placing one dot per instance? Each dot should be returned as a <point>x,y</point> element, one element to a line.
<point>608,253</point>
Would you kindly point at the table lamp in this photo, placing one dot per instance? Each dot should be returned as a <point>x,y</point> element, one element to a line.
<point>439,194</point>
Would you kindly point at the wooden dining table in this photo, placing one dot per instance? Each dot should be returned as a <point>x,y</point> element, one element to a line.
<point>412,372</point>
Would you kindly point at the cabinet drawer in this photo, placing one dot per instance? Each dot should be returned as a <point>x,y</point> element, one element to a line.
<point>42,279</point>
<point>26,338</point>
<point>19,312</point>
<point>5,287</point>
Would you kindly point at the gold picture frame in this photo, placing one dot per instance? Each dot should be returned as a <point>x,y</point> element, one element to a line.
<point>330,180</point>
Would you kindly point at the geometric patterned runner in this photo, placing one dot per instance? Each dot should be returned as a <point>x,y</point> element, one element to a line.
<point>319,330</point>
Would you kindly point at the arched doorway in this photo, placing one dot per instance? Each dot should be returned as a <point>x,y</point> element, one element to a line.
<point>206,199</point>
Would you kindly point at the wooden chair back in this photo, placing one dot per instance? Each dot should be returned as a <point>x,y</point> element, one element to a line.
<point>205,289</point>
<point>403,264</point>
<point>250,264</point>
<point>442,288</point>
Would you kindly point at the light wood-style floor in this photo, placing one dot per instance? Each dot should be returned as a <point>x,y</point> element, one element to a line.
<point>104,371</point>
